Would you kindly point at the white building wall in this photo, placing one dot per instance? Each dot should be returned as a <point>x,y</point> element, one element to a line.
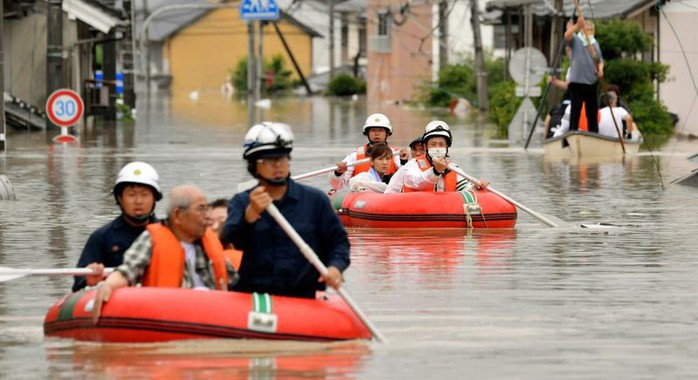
<point>679,92</point>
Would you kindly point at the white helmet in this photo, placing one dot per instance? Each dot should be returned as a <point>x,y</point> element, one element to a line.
<point>378,120</point>
<point>138,173</point>
<point>437,128</point>
<point>268,138</point>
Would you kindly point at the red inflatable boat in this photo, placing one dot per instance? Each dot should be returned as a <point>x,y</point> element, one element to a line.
<point>139,315</point>
<point>462,209</point>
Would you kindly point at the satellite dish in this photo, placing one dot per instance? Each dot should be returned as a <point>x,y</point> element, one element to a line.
<point>528,66</point>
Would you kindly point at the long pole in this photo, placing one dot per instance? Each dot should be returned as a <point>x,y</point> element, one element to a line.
<point>54,49</point>
<point>315,261</point>
<point>2,79</point>
<point>250,74</point>
<point>293,59</point>
<point>259,61</point>
<point>546,219</point>
<point>331,39</point>
<point>479,57</point>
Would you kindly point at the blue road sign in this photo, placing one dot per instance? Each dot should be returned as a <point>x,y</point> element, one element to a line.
<point>266,10</point>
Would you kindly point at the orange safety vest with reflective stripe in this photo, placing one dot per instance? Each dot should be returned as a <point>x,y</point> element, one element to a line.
<point>366,166</point>
<point>166,269</point>
<point>450,179</point>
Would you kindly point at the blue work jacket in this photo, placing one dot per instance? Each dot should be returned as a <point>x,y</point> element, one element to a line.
<point>271,261</point>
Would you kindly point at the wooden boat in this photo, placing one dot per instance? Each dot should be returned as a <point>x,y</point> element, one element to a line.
<point>138,315</point>
<point>580,144</point>
<point>462,209</point>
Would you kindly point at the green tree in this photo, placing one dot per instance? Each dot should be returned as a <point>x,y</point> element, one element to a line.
<point>621,43</point>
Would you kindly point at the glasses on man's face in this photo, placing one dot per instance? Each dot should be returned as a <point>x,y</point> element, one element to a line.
<point>200,209</point>
<point>271,161</point>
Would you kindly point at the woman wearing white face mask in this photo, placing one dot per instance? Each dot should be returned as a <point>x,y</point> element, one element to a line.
<point>429,172</point>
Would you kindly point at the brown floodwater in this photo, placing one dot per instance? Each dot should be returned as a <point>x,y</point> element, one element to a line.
<point>528,303</point>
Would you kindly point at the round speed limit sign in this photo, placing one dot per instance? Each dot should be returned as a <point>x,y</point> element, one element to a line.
<point>64,107</point>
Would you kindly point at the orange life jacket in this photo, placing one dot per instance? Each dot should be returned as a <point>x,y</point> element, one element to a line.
<point>234,256</point>
<point>450,179</point>
<point>166,269</point>
<point>366,166</point>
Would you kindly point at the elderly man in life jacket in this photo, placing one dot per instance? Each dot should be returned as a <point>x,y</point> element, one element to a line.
<point>181,251</point>
<point>430,172</point>
<point>377,129</point>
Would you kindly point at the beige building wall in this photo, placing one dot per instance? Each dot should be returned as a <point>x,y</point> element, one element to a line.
<point>678,92</point>
<point>395,73</point>
<point>202,55</point>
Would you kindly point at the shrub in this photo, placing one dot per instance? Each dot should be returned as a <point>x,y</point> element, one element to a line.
<point>651,117</point>
<point>276,66</point>
<point>503,105</point>
<point>344,84</point>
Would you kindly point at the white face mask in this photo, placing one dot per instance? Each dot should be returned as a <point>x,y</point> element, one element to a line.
<point>437,152</point>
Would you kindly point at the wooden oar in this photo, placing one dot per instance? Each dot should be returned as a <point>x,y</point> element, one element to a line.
<point>8,274</point>
<point>242,186</point>
<point>547,219</point>
<point>315,261</point>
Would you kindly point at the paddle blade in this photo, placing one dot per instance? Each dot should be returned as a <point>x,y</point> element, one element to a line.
<point>8,274</point>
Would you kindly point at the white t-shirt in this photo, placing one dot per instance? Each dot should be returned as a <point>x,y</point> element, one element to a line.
<point>190,265</point>
<point>606,125</point>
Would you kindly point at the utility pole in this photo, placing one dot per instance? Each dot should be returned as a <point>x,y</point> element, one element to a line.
<point>443,35</point>
<point>127,57</point>
<point>2,79</point>
<point>146,42</point>
<point>109,70</point>
<point>250,74</point>
<point>259,62</point>
<point>479,57</point>
<point>331,39</point>
<point>54,50</point>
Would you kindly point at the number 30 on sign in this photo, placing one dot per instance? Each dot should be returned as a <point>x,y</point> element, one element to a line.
<point>64,107</point>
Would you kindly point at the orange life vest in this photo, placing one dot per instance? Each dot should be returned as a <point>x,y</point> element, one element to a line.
<point>234,256</point>
<point>166,269</point>
<point>366,166</point>
<point>450,179</point>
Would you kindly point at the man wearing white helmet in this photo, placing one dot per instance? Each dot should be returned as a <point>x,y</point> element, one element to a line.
<point>429,172</point>
<point>271,262</point>
<point>377,129</point>
<point>136,191</point>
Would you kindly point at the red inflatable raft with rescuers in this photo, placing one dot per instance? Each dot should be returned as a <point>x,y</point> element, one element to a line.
<point>149,314</point>
<point>426,209</point>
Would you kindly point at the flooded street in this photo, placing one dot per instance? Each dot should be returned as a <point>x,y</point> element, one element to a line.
<point>529,303</point>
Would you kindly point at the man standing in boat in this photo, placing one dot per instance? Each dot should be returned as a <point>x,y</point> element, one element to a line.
<point>271,262</point>
<point>181,251</point>
<point>585,57</point>
<point>136,191</point>
<point>430,172</point>
<point>377,129</point>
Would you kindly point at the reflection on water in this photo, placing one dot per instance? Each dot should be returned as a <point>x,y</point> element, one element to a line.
<point>210,358</point>
<point>567,303</point>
